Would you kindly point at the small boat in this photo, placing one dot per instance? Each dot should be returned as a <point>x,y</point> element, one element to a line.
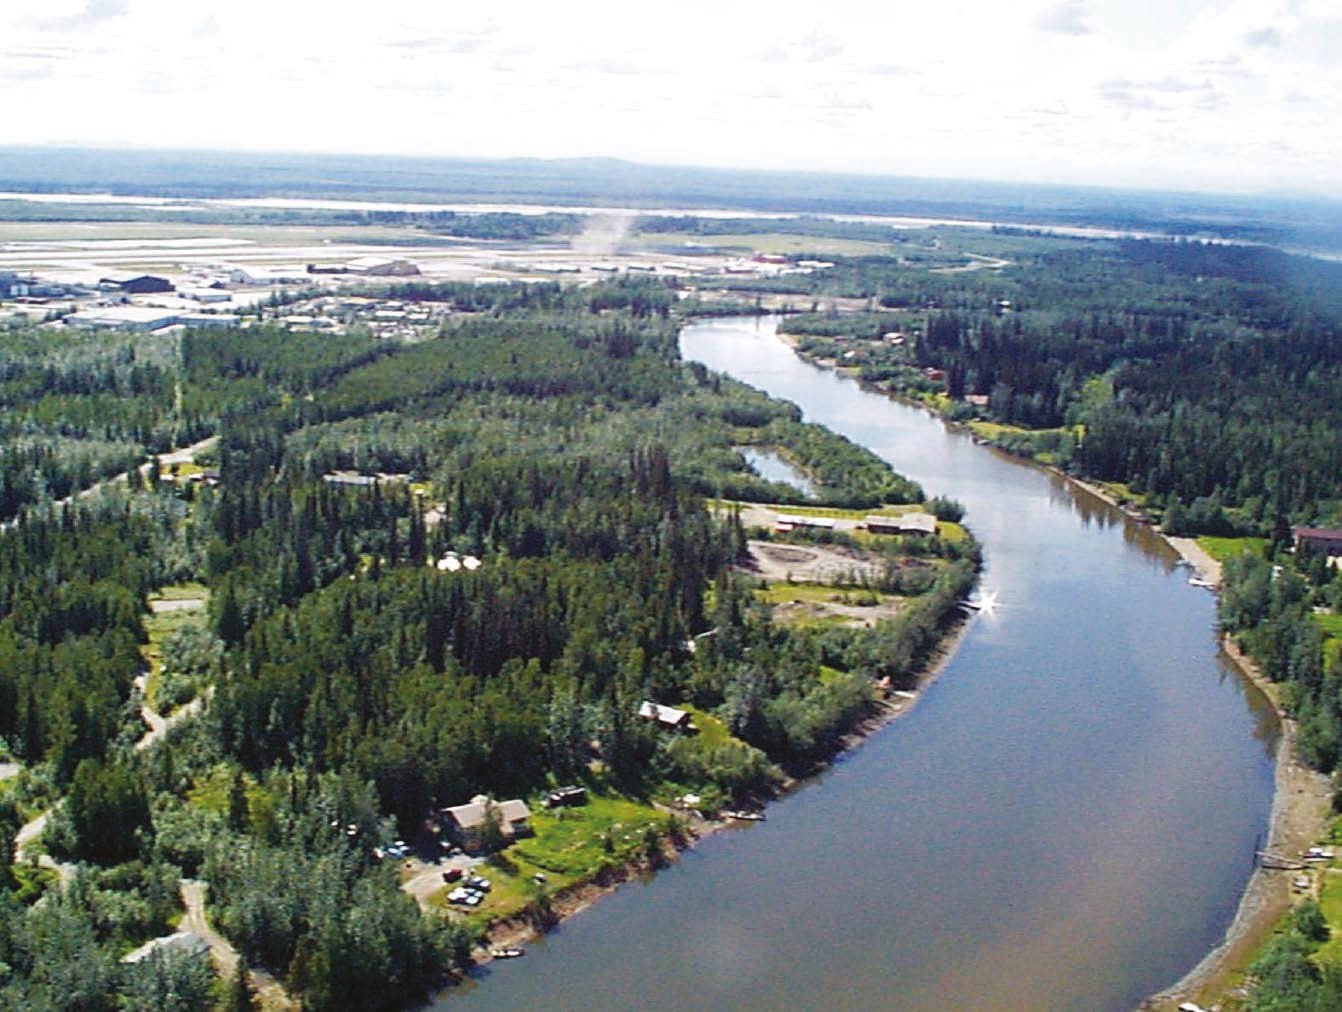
<point>512,952</point>
<point>744,816</point>
<point>1197,581</point>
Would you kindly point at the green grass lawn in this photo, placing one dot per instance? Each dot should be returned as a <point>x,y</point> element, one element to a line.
<point>832,512</point>
<point>712,731</point>
<point>782,593</point>
<point>1223,549</point>
<point>181,591</point>
<point>1330,899</point>
<point>159,627</point>
<point>1331,625</point>
<point>570,845</point>
<point>768,242</point>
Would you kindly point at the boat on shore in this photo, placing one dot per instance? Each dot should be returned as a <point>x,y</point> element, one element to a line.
<point>743,816</point>
<point>511,952</point>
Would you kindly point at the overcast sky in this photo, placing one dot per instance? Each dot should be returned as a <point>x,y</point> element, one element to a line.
<point>1188,94</point>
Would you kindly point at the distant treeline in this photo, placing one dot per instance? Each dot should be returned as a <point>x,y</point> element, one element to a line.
<point>1198,374</point>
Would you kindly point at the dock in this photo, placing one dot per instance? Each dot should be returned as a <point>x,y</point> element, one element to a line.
<point>1275,862</point>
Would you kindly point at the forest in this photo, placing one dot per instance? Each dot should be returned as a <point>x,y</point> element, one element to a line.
<point>1159,365</point>
<point>350,674</point>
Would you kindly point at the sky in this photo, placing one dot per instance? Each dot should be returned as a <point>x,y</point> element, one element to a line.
<point>1218,95</point>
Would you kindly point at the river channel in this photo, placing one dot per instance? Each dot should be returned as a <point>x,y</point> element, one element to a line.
<point>1064,821</point>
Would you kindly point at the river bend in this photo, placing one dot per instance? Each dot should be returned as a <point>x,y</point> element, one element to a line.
<point>1065,821</point>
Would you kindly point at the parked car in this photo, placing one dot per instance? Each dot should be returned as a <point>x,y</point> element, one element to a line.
<point>453,875</point>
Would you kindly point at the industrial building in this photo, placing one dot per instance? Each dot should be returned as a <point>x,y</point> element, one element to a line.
<point>144,284</point>
<point>124,318</point>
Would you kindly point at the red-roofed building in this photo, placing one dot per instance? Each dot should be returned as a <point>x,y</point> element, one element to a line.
<point>1321,539</point>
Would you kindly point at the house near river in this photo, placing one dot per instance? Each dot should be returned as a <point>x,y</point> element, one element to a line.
<point>1324,540</point>
<point>466,825</point>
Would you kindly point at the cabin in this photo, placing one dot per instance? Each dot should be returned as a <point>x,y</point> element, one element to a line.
<point>665,716</point>
<point>908,523</point>
<point>465,824</point>
<point>1321,539</point>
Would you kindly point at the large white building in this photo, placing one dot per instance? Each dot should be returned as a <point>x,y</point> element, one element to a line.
<point>124,318</point>
<point>382,267</point>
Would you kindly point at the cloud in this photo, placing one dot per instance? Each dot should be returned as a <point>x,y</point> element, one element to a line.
<point>1119,94</point>
<point>461,44</point>
<point>95,12</point>
<point>820,48</point>
<point>1230,66</point>
<point>890,70</point>
<point>18,67</point>
<point>1169,85</point>
<point>847,103</point>
<point>814,48</point>
<point>1066,18</point>
<point>608,66</point>
<point>1260,38</point>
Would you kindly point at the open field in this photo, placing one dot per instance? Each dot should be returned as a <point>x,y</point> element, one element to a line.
<point>768,242</point>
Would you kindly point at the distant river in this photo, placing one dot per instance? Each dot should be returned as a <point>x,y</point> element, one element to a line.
<point>1065,821</point>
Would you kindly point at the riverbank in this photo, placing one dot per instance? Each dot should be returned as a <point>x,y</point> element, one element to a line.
<point>1300,816</point>
<point>521,929</point>
<point>1300,799</point>
<point>1301,810</point>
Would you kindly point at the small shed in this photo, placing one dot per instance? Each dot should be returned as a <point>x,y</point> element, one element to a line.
<point>566,797</point>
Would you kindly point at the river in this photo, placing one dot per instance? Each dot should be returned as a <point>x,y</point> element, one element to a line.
<point>1065,820</point>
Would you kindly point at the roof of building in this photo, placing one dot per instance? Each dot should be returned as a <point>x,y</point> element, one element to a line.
<point>662,714</point>
<point>178,941</point>
<point>1318,533</point>
<point>923,523</point>
<point>472,814</point>
<point>795,520</point>
<point>123,316</point>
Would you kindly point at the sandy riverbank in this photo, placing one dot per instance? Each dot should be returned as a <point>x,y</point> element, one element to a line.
<point>1301,807</point>
<point>1301,810</point>
<point>1301,803</point>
